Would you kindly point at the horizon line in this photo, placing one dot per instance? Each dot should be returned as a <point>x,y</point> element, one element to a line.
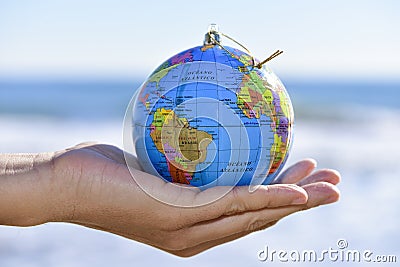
<point>137,78</point>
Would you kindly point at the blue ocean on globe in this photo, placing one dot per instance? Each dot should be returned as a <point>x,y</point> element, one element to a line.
<point>207,116</point>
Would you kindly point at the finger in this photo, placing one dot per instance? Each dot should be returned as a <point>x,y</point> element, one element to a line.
<point>324,191</point>
<point>325,175</point>
<point>240,200</point>
<point>297,172</point>
<point>191,251</point>
<point>313,189</point>
<point>319,193</point>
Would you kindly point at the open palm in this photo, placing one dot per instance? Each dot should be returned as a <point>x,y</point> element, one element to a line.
<point>103,195</point>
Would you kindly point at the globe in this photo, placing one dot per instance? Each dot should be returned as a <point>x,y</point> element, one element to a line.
<point>207,117</point>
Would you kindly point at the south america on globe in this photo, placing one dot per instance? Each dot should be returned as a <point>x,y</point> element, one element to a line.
<point>212,115</point>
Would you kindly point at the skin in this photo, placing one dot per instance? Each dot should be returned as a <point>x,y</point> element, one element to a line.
<point>90,185</point>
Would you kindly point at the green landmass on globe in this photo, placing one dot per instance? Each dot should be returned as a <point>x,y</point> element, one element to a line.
<point>208,116</point>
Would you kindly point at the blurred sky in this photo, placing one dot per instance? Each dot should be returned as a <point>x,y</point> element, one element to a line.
<point>96,38</point>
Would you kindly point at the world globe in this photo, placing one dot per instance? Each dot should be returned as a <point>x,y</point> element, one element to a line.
<point>209,116</point>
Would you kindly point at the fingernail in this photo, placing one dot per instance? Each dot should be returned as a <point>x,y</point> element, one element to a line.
<point>314,162</point>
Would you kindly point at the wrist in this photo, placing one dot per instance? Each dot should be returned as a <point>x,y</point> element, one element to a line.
<point>26,189</point>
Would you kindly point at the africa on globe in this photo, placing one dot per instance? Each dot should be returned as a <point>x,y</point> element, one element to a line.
<point>212,115</point>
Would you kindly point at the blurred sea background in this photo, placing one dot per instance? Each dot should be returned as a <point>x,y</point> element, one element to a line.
<point>62,82</point>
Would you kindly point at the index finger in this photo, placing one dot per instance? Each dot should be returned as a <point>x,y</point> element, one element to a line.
<point>240,200</point>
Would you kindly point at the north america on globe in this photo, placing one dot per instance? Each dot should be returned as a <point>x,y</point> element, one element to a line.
<point>207,116</point>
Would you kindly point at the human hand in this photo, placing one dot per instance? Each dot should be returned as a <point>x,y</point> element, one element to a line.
<point>97,191</point>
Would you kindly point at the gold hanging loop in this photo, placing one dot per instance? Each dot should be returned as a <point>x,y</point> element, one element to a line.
<point>274,55</point>
<point>212,34</point>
